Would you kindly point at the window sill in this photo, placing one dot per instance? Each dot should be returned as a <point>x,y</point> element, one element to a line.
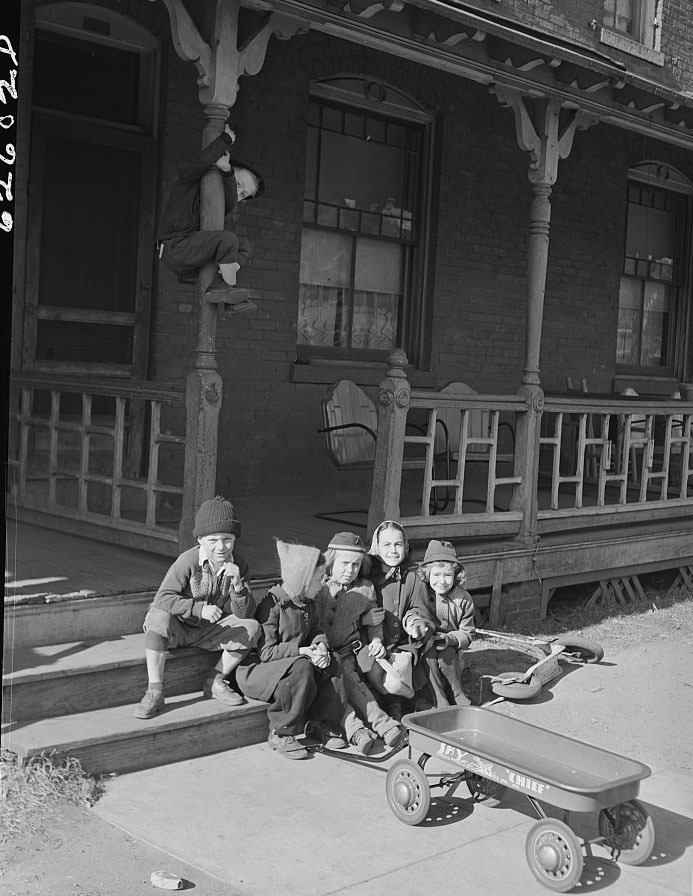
<point>328,372</point>
<point>628,45</point>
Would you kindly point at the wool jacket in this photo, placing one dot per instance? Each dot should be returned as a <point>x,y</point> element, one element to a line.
<point>182,213</point>
<point>189,585</point>
<point>286,626</point>
<point>340,608</point>
<point>399,593</point>
<point>454,614</point>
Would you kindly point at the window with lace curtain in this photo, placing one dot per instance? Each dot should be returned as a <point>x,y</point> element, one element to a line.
<point>652,313</point>
<point>364,222</point>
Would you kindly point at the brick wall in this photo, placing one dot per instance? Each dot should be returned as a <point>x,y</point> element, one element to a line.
<point>478,280</point>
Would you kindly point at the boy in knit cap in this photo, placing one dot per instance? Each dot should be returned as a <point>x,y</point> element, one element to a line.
<point>203,601</point>
<point>349,613</point>
<point>443,577</point>
<point>288,669</point>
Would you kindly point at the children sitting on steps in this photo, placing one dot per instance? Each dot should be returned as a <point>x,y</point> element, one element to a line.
<point>349,614</point>
<point>453,609</point>
<point>203,601</point>
<point>288,668</point>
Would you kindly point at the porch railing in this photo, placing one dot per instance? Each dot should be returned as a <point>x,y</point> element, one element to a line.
<point>98,456</point>
<point>613,459</point>
<point>574,461</point>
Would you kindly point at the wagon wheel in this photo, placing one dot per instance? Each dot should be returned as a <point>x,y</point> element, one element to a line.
<point>516,690</point>
<point>490,793</point>
<point>554,855</point>
<point>628,829</point>
<point>408,792</point>
<point>583,651</point>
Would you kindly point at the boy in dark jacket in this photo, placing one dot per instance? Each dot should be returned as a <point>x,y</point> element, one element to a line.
<point>288,670</point>
<point>204,601</point>
<point>183,247</point>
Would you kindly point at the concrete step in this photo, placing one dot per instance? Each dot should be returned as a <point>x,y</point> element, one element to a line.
<point>111,740</point>
<point>59,679</point>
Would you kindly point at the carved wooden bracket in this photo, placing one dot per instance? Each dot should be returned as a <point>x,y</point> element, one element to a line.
<point>546,144</point>
<point>222,63</point>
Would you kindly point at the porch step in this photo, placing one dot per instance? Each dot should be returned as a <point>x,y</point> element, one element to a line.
<point>111,740</point>
<point>46,680</point>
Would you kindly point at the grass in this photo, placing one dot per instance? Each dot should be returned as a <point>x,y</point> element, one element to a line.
<point>32,791</point>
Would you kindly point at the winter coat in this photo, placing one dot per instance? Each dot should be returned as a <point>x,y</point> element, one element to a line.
<point>454,614</point>
<point>286,626</point>
<point>340,608</point>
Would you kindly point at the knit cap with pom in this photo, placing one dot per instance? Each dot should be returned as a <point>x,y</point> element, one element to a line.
<point>298,563</point>
<point>215,517</point>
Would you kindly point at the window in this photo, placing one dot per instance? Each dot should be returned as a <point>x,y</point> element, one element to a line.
<point>651,315</point>
<point>91,207</point>
<point>364,222</point>
<point>638,19</point>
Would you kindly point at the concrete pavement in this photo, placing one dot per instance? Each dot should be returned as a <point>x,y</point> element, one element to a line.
<point>265,826</point>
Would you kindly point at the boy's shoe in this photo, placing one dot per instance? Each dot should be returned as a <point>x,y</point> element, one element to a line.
<point>218,689</point>
<point>327,736</point>
<point>395,737</point>
<point>150,705</point>
<point>365,741</point>
<point>287,745</point>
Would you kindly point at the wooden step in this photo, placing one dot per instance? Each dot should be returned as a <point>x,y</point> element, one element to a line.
<point>52,619</point>
<point>111,740</point>
<point>57,679</point>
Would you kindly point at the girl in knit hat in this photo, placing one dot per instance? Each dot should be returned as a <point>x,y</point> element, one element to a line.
<point>203,601</point>
<point>288,669</point>
<point>452,606</point>
<point>349,614</point>
<point>407,621</point>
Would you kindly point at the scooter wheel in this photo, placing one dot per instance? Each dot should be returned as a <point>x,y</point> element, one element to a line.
<point>516,690</point>
<point>584,651</point>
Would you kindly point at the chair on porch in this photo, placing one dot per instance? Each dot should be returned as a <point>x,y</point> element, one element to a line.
<point>642,432</point>
<point>592,455</point>
<point>350,426</point>
<point>478,428</point>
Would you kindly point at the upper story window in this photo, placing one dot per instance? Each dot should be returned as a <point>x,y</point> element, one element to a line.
<point>653,284</point>
<point>364,222</point>
<point>639,20</point>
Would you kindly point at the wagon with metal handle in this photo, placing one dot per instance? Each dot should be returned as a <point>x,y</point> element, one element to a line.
<point>492,753</point>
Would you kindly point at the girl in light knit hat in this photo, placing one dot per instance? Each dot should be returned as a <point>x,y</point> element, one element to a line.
<point>452,606</point>
<point>288,669</point>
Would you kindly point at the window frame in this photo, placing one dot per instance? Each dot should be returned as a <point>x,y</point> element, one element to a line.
<point>69,20</point>
<point>663,177</point>
<point>412,316</point>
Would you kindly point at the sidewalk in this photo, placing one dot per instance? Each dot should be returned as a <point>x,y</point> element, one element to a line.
<point>264,826</point>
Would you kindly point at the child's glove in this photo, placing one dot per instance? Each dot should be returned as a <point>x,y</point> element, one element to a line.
<point>443,640</point>
<point>417,629</point>
<point>230,132</point>
<point>376,649</point>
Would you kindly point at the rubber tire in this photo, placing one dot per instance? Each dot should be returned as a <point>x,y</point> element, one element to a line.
<point>516,690</point>
<point>585,651</point>
<point>408,792</point>
<point>490,793</point>
<point>639,828</point>
<point>550,838</point>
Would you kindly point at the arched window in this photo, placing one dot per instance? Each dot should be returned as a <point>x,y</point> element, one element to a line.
<point>651,315</point>
<point>91,211</point>
<point>365,222</point>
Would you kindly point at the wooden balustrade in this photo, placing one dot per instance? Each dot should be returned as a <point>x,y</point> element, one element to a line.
<point>92,455</point>
<point>574,461</point>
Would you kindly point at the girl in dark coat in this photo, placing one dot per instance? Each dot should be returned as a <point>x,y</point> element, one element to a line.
<point>287,670</point>
<point>407,622</point>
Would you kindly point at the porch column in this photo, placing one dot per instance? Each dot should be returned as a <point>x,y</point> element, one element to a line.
<point>393,405</point>
<point>547,135</point>
<point>219,63</point>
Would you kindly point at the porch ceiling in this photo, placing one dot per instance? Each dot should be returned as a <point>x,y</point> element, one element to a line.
<point>490,51</point>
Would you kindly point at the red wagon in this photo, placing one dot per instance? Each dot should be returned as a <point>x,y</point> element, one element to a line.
<point>491,753</point>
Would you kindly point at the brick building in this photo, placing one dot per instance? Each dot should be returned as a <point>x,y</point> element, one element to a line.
<point>402,145</point>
